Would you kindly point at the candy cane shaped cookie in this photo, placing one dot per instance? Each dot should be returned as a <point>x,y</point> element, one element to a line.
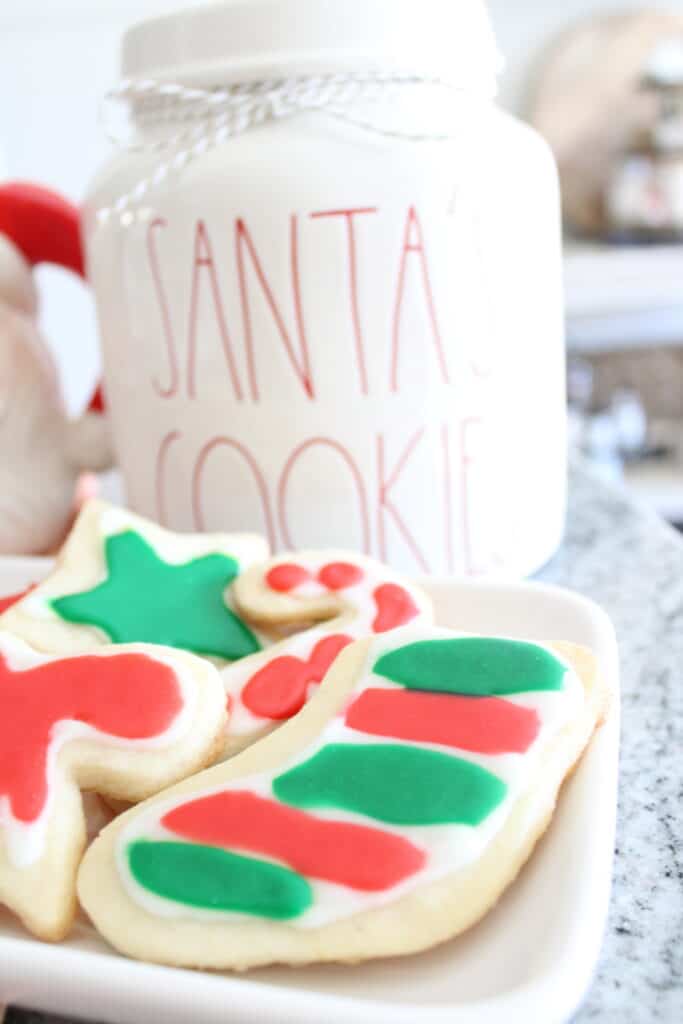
<point>388,815</point>
<point>345,595</point>
<point>121,721</point>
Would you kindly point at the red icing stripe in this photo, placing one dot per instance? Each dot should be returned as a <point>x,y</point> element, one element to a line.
<point>278,690</point>
<point>353,855</point>
<point>395,607</point>
<point>7,602</point>
<point>287,576</point>
<point>129,696</point>
<point>484,725</point>
<point>340,575</point>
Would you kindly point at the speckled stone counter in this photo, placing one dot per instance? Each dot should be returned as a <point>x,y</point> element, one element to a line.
<point>632,564</point>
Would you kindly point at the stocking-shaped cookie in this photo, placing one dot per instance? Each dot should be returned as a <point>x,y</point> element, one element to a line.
<point>121,579</point>
<point>122,721</point>
<point>388,815</point>
<point>345,595</point>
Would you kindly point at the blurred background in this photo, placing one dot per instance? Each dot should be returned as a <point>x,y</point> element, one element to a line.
<point>601,79</point>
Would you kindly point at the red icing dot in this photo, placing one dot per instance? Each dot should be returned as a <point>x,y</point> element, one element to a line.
<point>7,602</point>
<point>484,725</point>
<point>278,690</point>
<point>357,856</point>
<point>340,575</point>
<point>395,607</point>
<point>287,576</point>
<point>129,696</point>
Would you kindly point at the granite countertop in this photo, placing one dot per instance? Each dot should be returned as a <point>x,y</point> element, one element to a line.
<point>631,563</point>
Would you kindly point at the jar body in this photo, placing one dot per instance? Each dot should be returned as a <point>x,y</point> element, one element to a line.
<point>343,339</point>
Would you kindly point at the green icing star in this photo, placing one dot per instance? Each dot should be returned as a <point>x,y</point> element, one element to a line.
<point>147,600</point>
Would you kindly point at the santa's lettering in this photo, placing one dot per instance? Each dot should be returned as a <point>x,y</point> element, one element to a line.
<point>299,363</point>
<point>204,270</point>
<point>248,334</point>
<point>348,216</point>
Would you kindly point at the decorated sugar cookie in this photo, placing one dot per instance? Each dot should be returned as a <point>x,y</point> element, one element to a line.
<point>122,721</point>
<point>387,816</point>
<point>121,579</point>
<point>345,596</point>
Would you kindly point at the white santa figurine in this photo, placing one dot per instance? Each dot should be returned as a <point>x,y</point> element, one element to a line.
<point>42,452</point>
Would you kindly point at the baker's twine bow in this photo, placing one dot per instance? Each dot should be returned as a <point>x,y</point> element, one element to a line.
<point>208,117</point>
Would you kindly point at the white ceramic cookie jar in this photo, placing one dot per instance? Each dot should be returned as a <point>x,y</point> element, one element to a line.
<point>328,277</point>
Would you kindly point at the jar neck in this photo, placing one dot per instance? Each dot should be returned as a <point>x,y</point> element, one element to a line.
<point>404,105</point>
<point>174,125</point>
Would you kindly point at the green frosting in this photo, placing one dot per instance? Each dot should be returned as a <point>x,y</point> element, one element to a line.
<point>475,666</point>
<point>215,879</point>
<point>147,600</point>
<point>395,783</point>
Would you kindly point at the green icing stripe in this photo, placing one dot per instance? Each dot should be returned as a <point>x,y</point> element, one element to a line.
<point>147,600</point>
<point>215,879</point>
<point>474,666</point>
<point>396,783</point>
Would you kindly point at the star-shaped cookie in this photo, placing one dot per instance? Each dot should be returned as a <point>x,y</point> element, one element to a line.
<point>122,579</point>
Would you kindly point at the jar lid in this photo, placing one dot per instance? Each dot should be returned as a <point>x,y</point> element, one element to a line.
<point>247,40</point>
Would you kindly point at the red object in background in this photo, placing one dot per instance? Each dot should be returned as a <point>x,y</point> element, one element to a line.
<point>45,228</point>
<point>97,400</point>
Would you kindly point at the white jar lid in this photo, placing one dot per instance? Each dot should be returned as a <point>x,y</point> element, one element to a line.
<point>244,40</point>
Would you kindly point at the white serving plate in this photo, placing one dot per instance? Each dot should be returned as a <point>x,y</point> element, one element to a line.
<point>530,960</point>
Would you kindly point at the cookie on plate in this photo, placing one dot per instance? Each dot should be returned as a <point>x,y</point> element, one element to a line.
<point>120,721</point>
<point>387,816</point>
<point>340,596</point>
<point>122,579</point>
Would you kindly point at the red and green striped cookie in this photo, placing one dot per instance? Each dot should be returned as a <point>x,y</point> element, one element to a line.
<point>388,815</point>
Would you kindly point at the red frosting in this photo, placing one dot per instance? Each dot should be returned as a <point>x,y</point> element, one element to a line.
<point>484,725</point>
<point>340,575</point>
<point>333,576</point>
<point>287,576</point>
<point>353,855</point>
<point>395,607</point>
<point>129,696</point>
<point>10,599</point>
<point>278,690</point>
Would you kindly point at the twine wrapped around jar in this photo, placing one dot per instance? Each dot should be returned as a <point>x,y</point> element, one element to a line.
<point>191,121</point>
